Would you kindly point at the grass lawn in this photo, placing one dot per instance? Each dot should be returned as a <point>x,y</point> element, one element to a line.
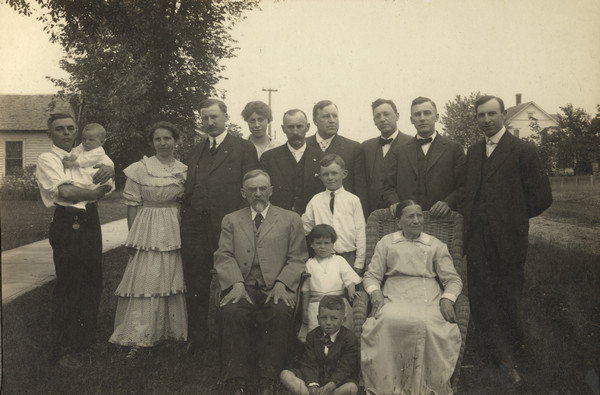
<point>560,310</point>
<point>26,221</point>
<point>575,203</point>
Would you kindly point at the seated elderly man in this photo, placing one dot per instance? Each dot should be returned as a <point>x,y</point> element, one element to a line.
<point>259,263</point>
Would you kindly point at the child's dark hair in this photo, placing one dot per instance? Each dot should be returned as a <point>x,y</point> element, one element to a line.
<point>332,158</point>
<point>332,302</point>
<point>322,230</point>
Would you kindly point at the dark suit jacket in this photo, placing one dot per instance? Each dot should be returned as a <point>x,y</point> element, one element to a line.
<point>340,365</point>
<point>349,150</point>
<point>445,173</point>
<point>234,158</point>
<point>518,189</point>
<point>373,157</point>
<point>280,246</point>
<point>281,166</point>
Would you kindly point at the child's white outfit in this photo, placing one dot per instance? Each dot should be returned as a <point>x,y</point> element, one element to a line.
<point>82,176</point>
<point>347,219</point>
<point>330,276</point>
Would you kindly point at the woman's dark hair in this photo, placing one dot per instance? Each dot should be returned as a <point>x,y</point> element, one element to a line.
<point>162,125</point>
<point>259,107</point>
<point>404,204</point>
<point>322,230</point>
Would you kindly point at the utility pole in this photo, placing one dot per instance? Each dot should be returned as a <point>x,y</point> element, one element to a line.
<point>270,90</point>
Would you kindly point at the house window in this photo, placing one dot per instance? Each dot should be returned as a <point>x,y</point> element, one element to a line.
<point>14,157</point>
<point>516,132</point>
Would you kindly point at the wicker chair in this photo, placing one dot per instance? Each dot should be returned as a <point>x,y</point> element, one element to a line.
<point>449,230</point>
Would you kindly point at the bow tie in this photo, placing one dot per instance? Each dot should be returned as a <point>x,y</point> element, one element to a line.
<point>424,141</point>
<point>326,340</point>
<point>383,141</point>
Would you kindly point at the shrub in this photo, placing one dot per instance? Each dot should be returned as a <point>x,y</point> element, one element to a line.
<point>20,186</point>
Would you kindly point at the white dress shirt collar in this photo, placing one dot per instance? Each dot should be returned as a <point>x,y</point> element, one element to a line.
<point>219,139</point>
<point>297,153</point>
<point>264,212</point>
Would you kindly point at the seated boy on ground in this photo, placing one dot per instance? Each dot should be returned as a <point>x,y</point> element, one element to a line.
<point>329,364</point>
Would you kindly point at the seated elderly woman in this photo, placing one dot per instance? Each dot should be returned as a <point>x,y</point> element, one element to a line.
<point>411,342</point>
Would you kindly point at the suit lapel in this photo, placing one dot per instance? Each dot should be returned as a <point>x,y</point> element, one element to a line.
<point>223,152</point>
<point>500,154</point>
<point>412,154</point>
<point>436,151</point>
<point>268,223</point>
<point>336,145</point>
<point>193,165</point>
<point>312,156</point>
<point>247,224</point>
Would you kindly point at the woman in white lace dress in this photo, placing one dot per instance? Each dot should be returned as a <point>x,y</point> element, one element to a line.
<point>151,302</point>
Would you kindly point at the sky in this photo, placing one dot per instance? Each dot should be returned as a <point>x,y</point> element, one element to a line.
<point>355,51</point>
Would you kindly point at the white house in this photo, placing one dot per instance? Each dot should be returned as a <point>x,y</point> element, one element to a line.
<point>23,129</point>
<point>519,118</point>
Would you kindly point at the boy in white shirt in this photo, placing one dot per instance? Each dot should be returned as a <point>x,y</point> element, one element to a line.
<point>341,209</point>
<point>80,165</point>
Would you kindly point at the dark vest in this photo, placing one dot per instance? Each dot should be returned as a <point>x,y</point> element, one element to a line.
<point>479,211</point>
<point>376,187</point>
<point>422,178</point>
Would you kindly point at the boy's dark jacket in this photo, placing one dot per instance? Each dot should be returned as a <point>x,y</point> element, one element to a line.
<point>340,365</point>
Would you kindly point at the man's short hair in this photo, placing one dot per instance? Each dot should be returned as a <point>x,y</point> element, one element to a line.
<point>255,173</point>
<point>259,107</point>
<point>58,115</point>
<point>380,101</point>
<point>211,102</point>
<point>332,158</point>
<point>486,98</point>
<point>332,302</point>
<point>421,100</point>
<point>294,111</point>
<point>322,231</point>
<point>321,105</point>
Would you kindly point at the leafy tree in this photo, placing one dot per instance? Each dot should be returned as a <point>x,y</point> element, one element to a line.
<point>459,120</point>
<point>580,141</point>
<point>132,63</point>
<point>234,129</point>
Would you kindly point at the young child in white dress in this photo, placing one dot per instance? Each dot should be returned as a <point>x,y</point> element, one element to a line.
<point>79,166</point>
<point>329,275</point>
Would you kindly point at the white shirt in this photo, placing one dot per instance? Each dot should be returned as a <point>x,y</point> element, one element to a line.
<point>50,174</point>
<point>348,221</point>
<point>219,139</point>
<point>323,143</point>
<point>83,175</point>
<point>386,148</point>
<point>425,147</point>
<point>297,153</point>
<point>332,337</point>
<point>495,139</point>
<point>263,213</point>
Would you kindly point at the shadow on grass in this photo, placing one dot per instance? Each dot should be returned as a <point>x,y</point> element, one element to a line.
<point>561,319</point>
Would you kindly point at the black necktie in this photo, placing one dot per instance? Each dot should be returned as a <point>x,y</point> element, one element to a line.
<point>213,147</point>
<point>331,202</point>
<point>383,141</point>
<point>326,340</point>
<point>424,141</point>
<point>258,220</point>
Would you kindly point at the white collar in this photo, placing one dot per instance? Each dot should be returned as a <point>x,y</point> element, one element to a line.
<point>219,139</point>
<point>423,238</point>
<point>263,213</point>
<point>432,137</point>
<point>336,192</point>
<point>294,150</point>
<point>320,139</point>
<point>496,138</point>
<point>60,152</point>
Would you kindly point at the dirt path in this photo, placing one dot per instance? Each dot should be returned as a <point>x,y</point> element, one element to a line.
<point>565,233</point>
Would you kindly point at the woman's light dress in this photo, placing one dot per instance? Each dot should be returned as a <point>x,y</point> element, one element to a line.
<point>408,347</point>
<point>151,302</point>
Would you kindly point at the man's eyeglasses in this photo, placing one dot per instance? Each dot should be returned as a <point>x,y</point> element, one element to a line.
<point>262,189</point>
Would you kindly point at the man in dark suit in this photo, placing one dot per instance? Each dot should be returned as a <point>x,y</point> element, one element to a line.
<point>215,170</point>
<point>293,167</point>
<point>327,139</point>
<point>506,185</point>
<point>261,256</point>
<point>429,169</point>
<point>385,117</point>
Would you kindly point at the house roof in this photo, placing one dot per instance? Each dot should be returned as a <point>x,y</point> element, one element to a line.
<point>29,112</point>
<point>512,112</point>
